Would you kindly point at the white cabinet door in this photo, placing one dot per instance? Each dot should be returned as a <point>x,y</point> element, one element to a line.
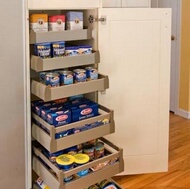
<point>135,3</point>
<point>135,53</point>
<point>111,3</point>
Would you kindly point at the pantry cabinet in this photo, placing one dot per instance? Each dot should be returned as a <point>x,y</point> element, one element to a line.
<point>127,3</point>
<point>131,51</point>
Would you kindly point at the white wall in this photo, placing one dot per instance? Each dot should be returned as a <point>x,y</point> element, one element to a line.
<point>12,135</point>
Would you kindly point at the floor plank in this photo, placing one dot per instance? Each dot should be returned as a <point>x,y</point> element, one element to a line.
<point>178,176</point>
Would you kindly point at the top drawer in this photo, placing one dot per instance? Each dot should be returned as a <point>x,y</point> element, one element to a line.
<point>62,4</point>
<point>66,35</point>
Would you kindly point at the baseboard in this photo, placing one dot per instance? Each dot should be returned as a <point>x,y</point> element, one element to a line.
<point>183,113</point>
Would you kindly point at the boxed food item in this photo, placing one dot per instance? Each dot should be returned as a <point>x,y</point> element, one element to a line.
<point>74,20</point>
<point>39,22</point>
<point>43,50</point>
<point>58,48</point>
<point>56,23</point>
<point>59,118</point>
<point>84,111</point>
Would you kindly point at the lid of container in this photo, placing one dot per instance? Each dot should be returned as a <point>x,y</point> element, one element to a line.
<point>65,159</point>
<point>81,158</point>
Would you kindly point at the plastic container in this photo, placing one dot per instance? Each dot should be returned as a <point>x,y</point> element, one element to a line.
<point>81,159</point>
<point>65,161</point>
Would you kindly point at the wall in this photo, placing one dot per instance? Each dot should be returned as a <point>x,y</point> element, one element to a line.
<point>184,97</point>
<point>12,150</point>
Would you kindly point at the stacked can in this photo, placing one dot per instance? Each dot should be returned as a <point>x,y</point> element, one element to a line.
<point>66,77</point>
<point>50,79</point>
<point>91,73</point>
<point>79,75</point>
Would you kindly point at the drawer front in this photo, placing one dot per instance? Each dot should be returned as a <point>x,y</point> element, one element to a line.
<point>54,177</point>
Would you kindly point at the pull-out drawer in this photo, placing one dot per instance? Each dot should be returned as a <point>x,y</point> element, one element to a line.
<point>54,177</point>
<point>48,93</point>
<point>52,145</point>
<point>35,186</point>
<point>38,64</point>
<point>66,35</point>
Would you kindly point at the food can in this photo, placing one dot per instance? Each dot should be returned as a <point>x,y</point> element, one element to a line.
<point>53,156</point>
<point>93,187</point>
<point>66,77</point>
<point>42,76</point>
<point>52,79</point>
<point>91,73</point>
<point>81,159</point>
<point>89,150</point>
<point>79,75</point>
<point>72,150</point>
<point>58,48</point>
<point>99,150</point>
<point>105,184</point>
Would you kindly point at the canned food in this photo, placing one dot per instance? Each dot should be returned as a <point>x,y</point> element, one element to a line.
<point>91,73</point>
<point>51,79</point>
<point>93,187</point>
<point>99,150</point>
<point>66,77</point>
<point>81,159</point>
<point>42,76</point>
<point>105,184</point>
<point>89,150</point>
<point>79,75</point>
<point>72,150</point>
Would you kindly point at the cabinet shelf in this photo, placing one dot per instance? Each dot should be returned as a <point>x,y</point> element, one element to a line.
<point>66,35</point>
<point>38,64</point>
<point>58,4</point>
<point>53,145</point>
<point>55,181</point>
<point>47,93</point>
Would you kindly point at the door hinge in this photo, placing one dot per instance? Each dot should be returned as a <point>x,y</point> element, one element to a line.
<point>102,19</point>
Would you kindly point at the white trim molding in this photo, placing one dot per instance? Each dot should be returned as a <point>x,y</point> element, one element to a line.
<point>183,113</point>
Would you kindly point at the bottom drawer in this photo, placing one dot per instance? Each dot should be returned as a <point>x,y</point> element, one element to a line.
<point>54,177</point>
<point>116,185</point>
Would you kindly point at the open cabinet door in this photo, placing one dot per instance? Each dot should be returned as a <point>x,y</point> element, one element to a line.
<point>134,48</point>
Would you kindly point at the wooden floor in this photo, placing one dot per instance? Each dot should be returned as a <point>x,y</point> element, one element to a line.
<point>178,176</point>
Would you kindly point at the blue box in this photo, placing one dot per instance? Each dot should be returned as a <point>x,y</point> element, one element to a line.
<point>74,20</point>
<point>42,50</point>
<point>59,118</point>
<point>58,48</point>
<point>84,111</point>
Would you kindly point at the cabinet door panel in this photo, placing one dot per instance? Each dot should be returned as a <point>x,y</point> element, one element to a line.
<point>135,3</point>
<point>111,3</point>
<point>135,53</point>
